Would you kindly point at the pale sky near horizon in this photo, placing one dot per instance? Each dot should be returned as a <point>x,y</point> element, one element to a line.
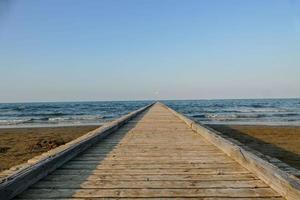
<point>69,50</point>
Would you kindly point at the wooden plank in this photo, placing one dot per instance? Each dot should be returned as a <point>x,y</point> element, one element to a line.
<point>177,161</point>
<point>95,165</point>
<point>152,177</point>
<point>134,184</point>
<point>161,157</point>
<point>162,160</point>
<point>155,155</point>
<point>189,198</point>
<point>236,170</point>
<point>132,193</point>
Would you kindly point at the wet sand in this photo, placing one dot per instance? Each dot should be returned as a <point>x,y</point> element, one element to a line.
<point>281,142</point>
<point>17,145</point>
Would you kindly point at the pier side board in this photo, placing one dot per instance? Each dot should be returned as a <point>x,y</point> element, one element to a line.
<point>283,182</point>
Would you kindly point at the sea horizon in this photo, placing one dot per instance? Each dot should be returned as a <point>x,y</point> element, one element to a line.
<point>154,100</point>
<point>268,111</point>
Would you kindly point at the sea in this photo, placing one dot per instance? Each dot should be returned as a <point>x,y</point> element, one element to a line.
<point>229,111</point>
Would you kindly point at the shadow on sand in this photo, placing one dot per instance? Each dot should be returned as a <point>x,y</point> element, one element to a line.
<point>263,147</point>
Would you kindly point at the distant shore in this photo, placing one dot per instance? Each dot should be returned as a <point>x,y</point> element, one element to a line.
<point>17,145</point>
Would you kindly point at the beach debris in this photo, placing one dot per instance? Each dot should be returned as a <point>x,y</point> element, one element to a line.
<point>4,149</point>
<point>46,144</point>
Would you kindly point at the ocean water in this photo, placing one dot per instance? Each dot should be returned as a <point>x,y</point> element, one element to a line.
<point>241,111</point>
<point>64,113</point>
<point>247,111</point>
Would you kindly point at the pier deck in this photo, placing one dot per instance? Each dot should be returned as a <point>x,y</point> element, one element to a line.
<point>154,155</point>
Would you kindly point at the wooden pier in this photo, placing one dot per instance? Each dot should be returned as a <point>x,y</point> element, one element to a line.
<point>156,154</point>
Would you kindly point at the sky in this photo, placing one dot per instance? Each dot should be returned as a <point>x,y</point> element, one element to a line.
<point>78,50</point>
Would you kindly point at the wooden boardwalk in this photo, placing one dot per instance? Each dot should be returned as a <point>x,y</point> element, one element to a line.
<point>155,155</point>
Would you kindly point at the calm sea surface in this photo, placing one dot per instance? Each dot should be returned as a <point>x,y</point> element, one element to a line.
<point>254,111</point>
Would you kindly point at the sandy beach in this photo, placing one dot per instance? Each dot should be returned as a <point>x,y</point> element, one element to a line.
<point>281,142</point>
<point>17,145</point>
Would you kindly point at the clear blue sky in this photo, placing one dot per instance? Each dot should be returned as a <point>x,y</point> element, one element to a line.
<point>63,50</point>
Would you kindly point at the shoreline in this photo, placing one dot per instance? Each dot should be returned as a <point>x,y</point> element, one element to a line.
<point>254,124</point>
<point>50,126</point>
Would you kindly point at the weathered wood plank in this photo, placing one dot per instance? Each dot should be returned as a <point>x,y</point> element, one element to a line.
<point>134,184</point>
<point>95,165</point>
<point>237,170</point>
<point>189,198</point>
<point>152,177</point>
<point>132,193</point>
